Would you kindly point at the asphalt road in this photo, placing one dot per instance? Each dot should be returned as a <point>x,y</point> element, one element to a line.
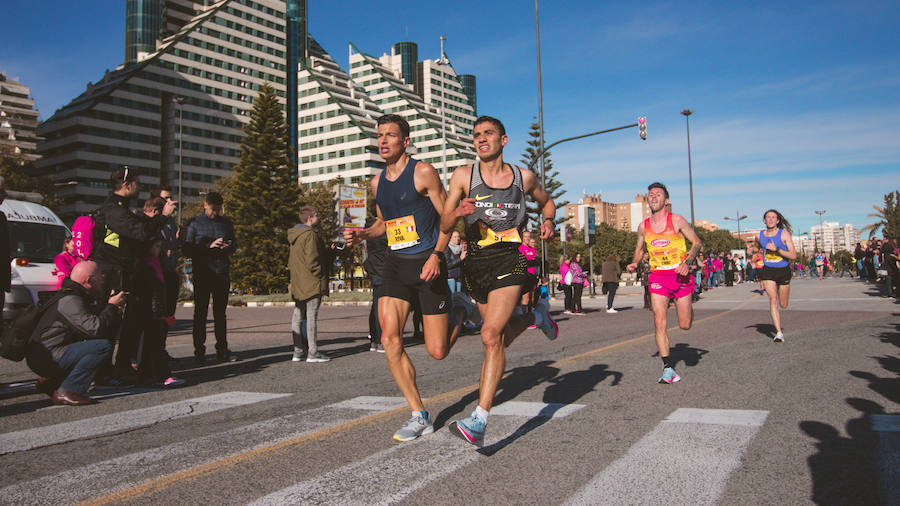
<point>580,420</point>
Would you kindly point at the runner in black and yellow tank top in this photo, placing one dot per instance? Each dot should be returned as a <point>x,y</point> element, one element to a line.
<point>490,196</point>
<point>663,235</point>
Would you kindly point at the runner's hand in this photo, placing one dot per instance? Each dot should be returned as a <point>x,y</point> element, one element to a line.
<point>352,237</point>
<point>631,267</point>
<point>169,207</point>
<point>466,207</point>
<point>432,268</point>
<point>546,230</point>
<point>682,269</point>
<point>770,246</point>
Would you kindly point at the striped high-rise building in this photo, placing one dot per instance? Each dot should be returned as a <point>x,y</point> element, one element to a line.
<point>18,118</point>
<point>176,107</point>
<point>428,94</point>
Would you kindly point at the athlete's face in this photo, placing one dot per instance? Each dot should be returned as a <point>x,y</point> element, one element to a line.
<point>488,141</point>
<point>771,220</point>
<point>391,142</point>
<point>657,200</point>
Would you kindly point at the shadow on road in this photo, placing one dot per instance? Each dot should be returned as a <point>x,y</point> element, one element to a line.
<point>563,390</point>
<point>683,352</point>
<point>766,329</point>
<point>520,379</point>
<point>845,469</point>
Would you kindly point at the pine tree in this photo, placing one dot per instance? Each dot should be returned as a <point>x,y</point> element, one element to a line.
<point>551,183</point>
<point>263,199</point>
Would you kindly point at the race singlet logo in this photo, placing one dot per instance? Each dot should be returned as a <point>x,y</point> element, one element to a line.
<point>401,232</point>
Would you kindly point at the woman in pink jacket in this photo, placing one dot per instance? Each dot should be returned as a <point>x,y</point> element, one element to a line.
<point>65,261</point>
<point>565,279</point>
<point>579,281</point>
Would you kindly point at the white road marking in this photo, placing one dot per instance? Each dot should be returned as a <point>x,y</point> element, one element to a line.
<point>109,424</point>
<point>686,459</point>
<point>415,464</point>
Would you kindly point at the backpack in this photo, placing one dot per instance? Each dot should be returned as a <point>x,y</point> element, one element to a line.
<point>14,341</point>
<point>83,235</point>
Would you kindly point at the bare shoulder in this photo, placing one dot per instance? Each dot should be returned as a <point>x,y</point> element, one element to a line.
<point>785,234</point>
<point>373,183</point>
<point>425,169</point>
<point>678,221</point>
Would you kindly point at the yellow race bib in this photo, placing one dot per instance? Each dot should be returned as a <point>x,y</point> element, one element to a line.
<point>401,232</point>
<point>489,237</point>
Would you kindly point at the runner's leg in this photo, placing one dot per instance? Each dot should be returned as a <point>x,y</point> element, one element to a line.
<point>392,313</point>
<point>772,290</point>
<point>497,314</point>
<point>685,311</point>
<point>660,304</point>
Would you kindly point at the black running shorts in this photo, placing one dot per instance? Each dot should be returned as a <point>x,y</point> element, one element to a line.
<point>487,271</point>
<point>780,275</point>
<point>402,281</point>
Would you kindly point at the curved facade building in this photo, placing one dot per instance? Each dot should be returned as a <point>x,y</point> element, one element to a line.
<point>409,59</point>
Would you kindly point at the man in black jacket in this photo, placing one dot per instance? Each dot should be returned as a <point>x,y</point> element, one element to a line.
<point>119,235</point>
<point>71,340</point>
<point>210,241</point>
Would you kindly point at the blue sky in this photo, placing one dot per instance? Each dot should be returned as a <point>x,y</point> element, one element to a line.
<point>796,104</point>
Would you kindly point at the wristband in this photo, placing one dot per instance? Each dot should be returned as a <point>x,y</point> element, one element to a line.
<point>440,255</point>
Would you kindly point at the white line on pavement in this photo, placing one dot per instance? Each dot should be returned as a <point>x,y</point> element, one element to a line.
<point>413,465</point>
<point>109,424</point>
<point>686,459</point>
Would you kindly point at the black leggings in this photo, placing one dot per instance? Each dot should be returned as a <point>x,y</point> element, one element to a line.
<point>576,297</point>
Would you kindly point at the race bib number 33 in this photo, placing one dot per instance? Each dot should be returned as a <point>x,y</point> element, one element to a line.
<point>401,232</point>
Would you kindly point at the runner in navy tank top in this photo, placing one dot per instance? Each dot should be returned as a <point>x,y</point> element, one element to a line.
<point>775,276</point>
<point>408,198</point>
<point>490,196</point>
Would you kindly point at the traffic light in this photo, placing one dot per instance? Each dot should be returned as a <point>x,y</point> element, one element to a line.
<point>642,127</point>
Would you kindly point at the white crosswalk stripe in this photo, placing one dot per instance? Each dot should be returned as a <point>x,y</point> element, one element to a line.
<point>415,464</point>
<point>109,476</point>
<point>110,424</point>
<point>686,459</point>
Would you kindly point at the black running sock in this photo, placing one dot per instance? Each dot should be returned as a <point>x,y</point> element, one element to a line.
<point>667,362</point>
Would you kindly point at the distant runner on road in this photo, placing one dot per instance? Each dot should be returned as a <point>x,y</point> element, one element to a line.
<point>663,236</point>
<point>775,275</point>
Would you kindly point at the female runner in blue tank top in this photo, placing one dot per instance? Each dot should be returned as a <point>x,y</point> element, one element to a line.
<point>778,250</point>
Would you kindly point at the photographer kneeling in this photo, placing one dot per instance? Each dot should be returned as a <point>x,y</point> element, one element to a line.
<point>72,340</point>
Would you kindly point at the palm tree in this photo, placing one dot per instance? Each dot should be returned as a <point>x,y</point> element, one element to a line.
<point>887,216</point>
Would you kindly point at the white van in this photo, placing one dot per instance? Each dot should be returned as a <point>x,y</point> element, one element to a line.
<point>36,236</point>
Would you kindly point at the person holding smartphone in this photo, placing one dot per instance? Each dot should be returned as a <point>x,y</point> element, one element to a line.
<point>210,241</point>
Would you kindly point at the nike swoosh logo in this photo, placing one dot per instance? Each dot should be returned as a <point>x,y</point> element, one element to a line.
<point>504,275</point>
<point>482,197</point>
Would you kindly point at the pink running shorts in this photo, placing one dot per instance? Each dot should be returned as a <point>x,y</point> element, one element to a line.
<point>670,284</point>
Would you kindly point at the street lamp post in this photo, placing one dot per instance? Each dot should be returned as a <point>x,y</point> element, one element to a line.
<point>537,28</point>
<point>821,228</point>
<point>687,122</point>
<point>180,102</point>
<point>738,219</point>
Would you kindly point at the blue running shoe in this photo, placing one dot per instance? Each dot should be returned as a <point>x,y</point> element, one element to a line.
<point>548,326</point>
<point>669,376</point>
<point>414,427</point>
<point>470,430</point>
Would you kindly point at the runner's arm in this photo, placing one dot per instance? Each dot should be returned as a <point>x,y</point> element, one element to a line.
<point>638,250</point>
<point>453,211</point>
<point>427,177</point>
<point>545,203</point>
<point>688,232</point>
<point>790,253</point>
